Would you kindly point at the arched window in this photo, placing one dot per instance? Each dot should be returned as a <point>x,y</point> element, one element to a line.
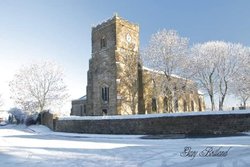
<point>84,109</point>
<point>81,110</point>
<point>105,94</point>
<point>184,105</point>
<point>154,105</point>
<point>166,104</point>
<point>104,112</point>
<point>103,42</point>
<point>192,105</point>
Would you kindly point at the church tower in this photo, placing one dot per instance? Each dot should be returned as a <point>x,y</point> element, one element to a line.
<point>113,67</point>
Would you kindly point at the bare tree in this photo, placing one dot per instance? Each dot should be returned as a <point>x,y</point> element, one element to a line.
<point>166,54</point>
<point>18,114</point>
<point>242,79</point>
<point>230,64</point>
<point>38,86</point>
<point>1,100</point>
<point>242,91</point>
<point>204,64</point>
<point>216,65</point>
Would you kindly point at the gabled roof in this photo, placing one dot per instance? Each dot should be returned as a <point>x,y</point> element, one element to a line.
<point>80,99</point>
<point>83,98</point>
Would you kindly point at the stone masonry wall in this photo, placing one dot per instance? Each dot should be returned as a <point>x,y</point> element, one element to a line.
<point>102,70</point>
<point>193,124</point>
<point>48,119</point>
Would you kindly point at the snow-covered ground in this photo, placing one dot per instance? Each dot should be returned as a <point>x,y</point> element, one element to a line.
<point>37,146</point>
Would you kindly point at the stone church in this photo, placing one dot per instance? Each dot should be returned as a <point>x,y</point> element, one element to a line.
<point>118,84</point>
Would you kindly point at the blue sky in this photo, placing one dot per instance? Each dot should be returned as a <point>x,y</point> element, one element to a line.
<point>60,30</point>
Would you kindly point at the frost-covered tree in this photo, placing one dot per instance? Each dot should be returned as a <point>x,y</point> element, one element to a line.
<point>38,86</point>
<point>204,64</point>
<point>18,114</point>
<point>242,79</point>
<point>216,65</point>
<point>242,91</point>
<point>166,53</point>
<point>1,100</point>
<point>231,63</point>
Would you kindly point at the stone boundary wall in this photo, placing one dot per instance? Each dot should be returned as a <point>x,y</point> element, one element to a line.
<point>48,120</point>
<point>190,124</point>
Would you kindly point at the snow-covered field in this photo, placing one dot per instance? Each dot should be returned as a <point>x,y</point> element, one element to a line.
<point>37,146</point>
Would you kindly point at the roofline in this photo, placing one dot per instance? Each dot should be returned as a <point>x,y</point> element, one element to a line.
<point>161,72</point>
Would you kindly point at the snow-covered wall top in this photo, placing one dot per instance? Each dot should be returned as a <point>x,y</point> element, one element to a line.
<point>180,114</point>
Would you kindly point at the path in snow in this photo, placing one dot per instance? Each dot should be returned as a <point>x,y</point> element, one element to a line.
<point>37,146</point>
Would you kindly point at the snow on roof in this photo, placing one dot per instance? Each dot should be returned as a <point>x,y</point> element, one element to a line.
<point>80,99</point>
<point>151,70</point>
<point>160,72</point>
<point>83,98</point>
<point>200,92</point>
<point>144,116</point>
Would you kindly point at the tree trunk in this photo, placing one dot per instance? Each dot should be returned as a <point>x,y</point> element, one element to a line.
<point>244,101</point>
<point>212,102</point>
<point>221,103</point>
<point>211,90</point>
<point>223,94</point>
<point>245,104</point>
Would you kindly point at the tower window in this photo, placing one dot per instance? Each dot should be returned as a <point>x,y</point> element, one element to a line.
<point>105,94</point>
<point>103,42</point>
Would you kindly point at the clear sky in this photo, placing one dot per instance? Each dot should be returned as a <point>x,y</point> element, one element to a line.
<point>60,30</point>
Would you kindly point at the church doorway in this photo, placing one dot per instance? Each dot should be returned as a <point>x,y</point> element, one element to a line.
<point>104,112</point>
